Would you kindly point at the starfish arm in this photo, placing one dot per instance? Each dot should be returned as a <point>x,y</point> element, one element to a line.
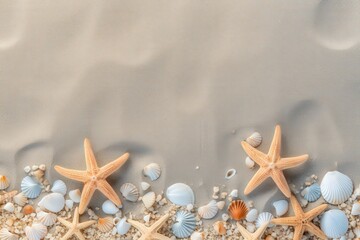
<point>91,165</point>
<point>244,232</point>
<point>280,180</point>
<point>159,223</point>
<point>76,175</point>
<point>86,196</point>
<point>111,167</point>
<point>86,224</point>
<point>67,235</point>
<point>296,206</point>
<point>76,216</point>
<point>260,231</point>
<point>275,147</point>
<point>65,222</point>
<point>139,226</point>
<point>298,232</point>
<point>260,176</point>
<point>288,221</point>
<point>310,227</point>
<point>108,191</point>
<point>159,236</point>
<point>310,215</point>
<point>285,163</point>
<point>79,235</point>
<point>258,157</point>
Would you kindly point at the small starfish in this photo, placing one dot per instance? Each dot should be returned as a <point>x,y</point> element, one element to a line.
<point>6,196</point>
<point>150,233</point>
<point>252,236</point>
<point>74,226</point>
<point>271,164</point>
<point>302,221</point>
<point>94,177</point>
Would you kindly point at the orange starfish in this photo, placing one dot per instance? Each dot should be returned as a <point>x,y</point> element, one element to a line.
<point>150,233</point>
<point>94,177</point>
<point>271,164</point>
<point>302,221</point>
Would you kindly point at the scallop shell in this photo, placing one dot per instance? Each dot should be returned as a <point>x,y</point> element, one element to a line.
<point>180,194</point>
<point>6,235</point>
<point>209,210</point>
<point>123,226</point>
<point>252,215</point>
<point>219,227</point>
<point>263,218</point>
<point>130,192</point>
<point>312,193</point>
<point>46,218</point>
<point>53,202</point>
<point>9,207</point>
<point>145,186</point>
<point>153,171</point>
<point>30,187</point>
<point>281,207</point>
<point>254,139</point>
<point>20,199</point>
<point>28,209</point>
<point>336,187</point>
<point>36,232</point>
<point>334,223</point>
<point>355,210</point>
<point>105,224</point>
<point>230,173</point>
<point>184,225</point>
<point>197,236</point>
<point>75,195</point>
<point>249,163</point>
<point>237,210</point>
<point>59,187</point>
<point>149,199</point>
<point>109,207</point>
<point>4,182</point>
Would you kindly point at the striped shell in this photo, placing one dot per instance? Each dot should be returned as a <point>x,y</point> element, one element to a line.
<point>254,139</point>
<point>209,210</point>
<point>130,192</point>
<point>46,218</point>
<point>36,232</point>
<point>184,225</point>
<point>263,218</point>
<point>237,210</point>
<point>105,224</point>
<point>312,193</point>
<point>149,199</point>
<point>4,182</point>
<point>334,223</point>
<point>281,207</point>
<point>20,199</point>
<point>6,235</point>
<point>249,163</point>
<point>145,186</point>
<point>30,187</point>
<point>336,187</point>
<point>59,187</point>
<point>180,194</point>
<point>9,207</point>
<point>153,171</point>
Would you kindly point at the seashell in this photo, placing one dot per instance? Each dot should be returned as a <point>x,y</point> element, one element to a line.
<point>105,224</point>
<point>47,219</point>
<point>147,218</point>
<point>30,187</point>
<point>237,210</point>
<point>149,199</point>
<point>357,232</point>
<point>263,218</point>
<point>184,225</point>
<point>6,235</point>
<point>281,207</point>
<point>53,202</point>
<point>355,210</point>
<point>130,192</point>
<point>220,205</point>
<point>123,226</point>
<point>234,193</point>
<point>252,215</point>
<point>249,163</point>
<point>230,173</point>
<point>145,186</point>
<point>336,187</point>
<point>4,182</point>
<point>36,232</point>
<point>197,236</point>
<point>311,193</point>
<point>254,139</point>
<point>180,194</point>
<point>152,171</point>
<point>208,211</point>
<point>334,223</point>
<point>59,187</point>
<point>38,174</point>
<point>75,195</point>
<point>20,199</point>
<point>9,207</point>
<point>219,227</point>
<point>109,207</point>
<point>69,203</point>
<point>28,209</point>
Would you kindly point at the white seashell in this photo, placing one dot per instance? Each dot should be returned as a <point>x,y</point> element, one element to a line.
<point>153,171</point>
<point>197,236</point>
<point>123,226</point>
<point>334,223</point>
<point>357,232</point>
<point>355,210</point>
<point>249,163</point>
<point>30,187</point>
<point>336,187</point>
<point>145,186</point>
<point>234,193</point>
<point>311,193</point>
<point>230,173</point>
<point>209,210</point>
<point>130,192</point>
<point>147,218</point>
<point>47,219</point>
<point>180,194</point>
<point>252,215</point>
<point>264,218</point>
<point>20,199</point>
<point>149,199</point>
<point>109,207</point>
<point>4,182</point>
<point>69,203</point>
<point>6,235</point>
<point>281,207</point>
<point>59,187</point>
<point>36,232</point>
<point>184,225</point>
<point>75,195</point>
<point>9,207</point>
<point>254,139</point>
<point>53,202</point>
<point>220,205</point>
<point>105,224</point>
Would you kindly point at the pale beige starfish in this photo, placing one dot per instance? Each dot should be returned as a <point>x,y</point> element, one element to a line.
<point>271,164</point>
<point>302,221</point>
<point>94,177</point>
<point>151,233</point>
<point>75,227</point>
<point>7,196</point>
<point>252,236</point>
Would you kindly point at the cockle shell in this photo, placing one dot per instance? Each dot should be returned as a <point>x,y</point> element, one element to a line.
<point>9,207</point>
<point>105,224</point>
<point>281,207</point>
<point>149,199</point>
<point>180,194</point>
<point>252,215</point>
<point>254,139</point>
<point>123,226</point>
<point>219,227</point>
<point>28,209</point>
<point>20,199</point>
<point>197,236</point>
<point>109,207</point>
<point>53,202</point>
<point>130,192</point>
<point>4,182</point>
<point>249,163</point>
<point>153,171</point>
<point>230,173</point>
<point>184,225</point>
<point>237,210</point>
<point>6,235</point>
<point>30,187</point>
<point>263,218</point>
<point>336,187</point>
<point>355,210</point>
<point>334,223</point>
<point>36,232</point>
<point>209,210</point>
<point>311,193</point>
<point>75,195</point>
<point>59,187</point>
<point>46,218</point>
<point>145,186</point>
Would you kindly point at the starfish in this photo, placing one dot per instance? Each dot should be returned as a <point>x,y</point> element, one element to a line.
<point>271,164</point>
<point>94,177</point>
<point>151,233</point>
<point>252,236</point>
<point>302,221</point>
<point>6,196</point>
<point>74,226</point>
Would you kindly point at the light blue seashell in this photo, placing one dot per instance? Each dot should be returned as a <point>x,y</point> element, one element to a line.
<point>281,207</point>
<point>264,218</point>
<point>184,225</point>
<point>252,215</point>
<point>180,194</point>
<point>336,187</point>
<point>30,187</point>
<point>123,226</point>
<point>334,223</point>
<point>312,193</point>
<point>59,187</point>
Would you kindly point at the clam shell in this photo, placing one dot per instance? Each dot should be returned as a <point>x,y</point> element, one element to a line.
<point>334,223</point>
<point>30,187</point>
<point>197,236</point>
<point>149,199</point>
<point>219,227</point>
<point>249,163</point>
<point>336,187</point>
<point>4,182</point>
<point>209,210</point>
<point>234,193</point>
<point>254,139</point>
<point>53,202</point>
<point>281,207</point>
<point>220,205</point>
<point>263,218</point>
<point>6,235</point>
<point>312,193</point>
<point>36,232</point>
<point>20,199</point>
<point>123,226</point>
<point>59,187</point>
<point>28,209</point>
<point>145,186</point>
<point>357,232</point>
<point>9,207</point>
<point>180,194</point>
<point>355,210</point>
<point>75,195</point>
<point>105,224</point>
<point>230,173</point>
<point>130,192</point>
<point>109,207</point>
<point>252,215</point>
<point>237,210</point>
<point>69,203</point>
<point>46,218</point>
<point>184,225</point>
<point>153,171</point>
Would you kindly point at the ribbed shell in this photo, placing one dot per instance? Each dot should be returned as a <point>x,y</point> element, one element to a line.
<point>237,210</point>
<point>53,202</point>
<point>281,207</point>
<point>254,139</point>
<point>334,223</point>
<point>36,232</point>
<point>263,218</point>
<point>252,215</point>
<point>336,187</point>
<point>6,235</point>
<point>209,210</point>
<point>197,236</point>
<point>184,225</point>
<point>109,207</point>
<point>46,218</point>
<point>312,193</point>
<point>4,182</point>
<point>149,199</point>
<point>9,207</point>
<point>20,199</point>
<point>153,171</point>
<point>130,192</point>
<point>59,187</point>
<point>180,194</point>
<point>105,224</point>
<point>30,187</point>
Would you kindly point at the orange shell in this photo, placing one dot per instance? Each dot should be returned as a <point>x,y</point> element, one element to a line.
<point>28,209</point>
<point>237,210</point>
<point>219,227</point>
